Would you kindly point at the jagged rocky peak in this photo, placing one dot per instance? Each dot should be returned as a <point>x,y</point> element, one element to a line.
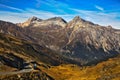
<point>34,19</point>
<point>78,22</point>
<point>79,19</point>
<point>109,26</point>
<point>76,18</point>
<point>29,21</point>
<point>36,22</point>
<point>57,19</point>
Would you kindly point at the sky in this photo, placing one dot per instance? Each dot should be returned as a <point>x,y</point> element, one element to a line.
<point>103,12</point>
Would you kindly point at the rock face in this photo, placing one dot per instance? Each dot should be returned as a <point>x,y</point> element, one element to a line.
<point>91,43</point>
<point>49,23</point>
<point>56,21</point>
<point>29,22</point>
<point>50,33</point>
<point>15,51</point>
<point>79,40</point>
<point>14,30</point>
<point>78,22</point>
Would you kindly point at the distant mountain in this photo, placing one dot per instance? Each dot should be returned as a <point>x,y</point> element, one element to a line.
<point>78,40</point>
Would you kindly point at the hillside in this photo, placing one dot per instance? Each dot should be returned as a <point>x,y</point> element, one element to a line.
<point>80,40</point>
<point>91,43</point>
<point>14,51</point>
<point>75,50</point>
<point>107,70</point>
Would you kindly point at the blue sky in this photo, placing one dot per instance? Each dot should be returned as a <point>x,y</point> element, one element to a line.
<point>103,12</point>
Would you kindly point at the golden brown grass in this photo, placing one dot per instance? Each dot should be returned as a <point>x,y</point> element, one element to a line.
<point>107,70</point>
<point>4,68</point>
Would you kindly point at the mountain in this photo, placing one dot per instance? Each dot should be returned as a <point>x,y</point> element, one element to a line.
<point>29,22</point>
<point>79,40</point>
<point>50,33</point>
<point>91,43</point>
<point>13,50</point>
<point>49,23</point>
<point>54,44</point>
<point>47,32</point>
<point>14,30</point>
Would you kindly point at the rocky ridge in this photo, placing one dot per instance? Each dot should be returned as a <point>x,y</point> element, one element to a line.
<point>78,39</point>
<point>36,22</point>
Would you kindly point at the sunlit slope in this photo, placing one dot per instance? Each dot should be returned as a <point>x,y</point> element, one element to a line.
<point>107,70</point>
<point>14,52</point>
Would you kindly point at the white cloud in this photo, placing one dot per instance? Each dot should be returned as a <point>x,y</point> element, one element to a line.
<point>102,18</point>
<point>17,17</point>
<point>51,3</point>
<point>10,7</point>
<point>98,17</point>
<point>94,16</point>
<point>54,5</point>
<point>23,15</point>
<point>99,8</point>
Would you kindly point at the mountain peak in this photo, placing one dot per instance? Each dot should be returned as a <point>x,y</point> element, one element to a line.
<point>78,22</point>
<point>57,18</point>
<point>54,18</point>
<point>77,18</point>
<point>36,22</point>
<point>34,19</point>
<point>29,21</point>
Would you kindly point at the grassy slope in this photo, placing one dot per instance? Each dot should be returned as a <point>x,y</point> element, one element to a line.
<point>12,48</point>
<point>14,51</point>
<point>33,75</point>
<point>107,70</point>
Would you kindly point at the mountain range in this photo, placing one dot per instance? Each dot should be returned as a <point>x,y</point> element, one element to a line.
<point>78,39</point>
<point>54,42</point>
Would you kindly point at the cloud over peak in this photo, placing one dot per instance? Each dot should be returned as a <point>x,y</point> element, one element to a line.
<point>99,8</point>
